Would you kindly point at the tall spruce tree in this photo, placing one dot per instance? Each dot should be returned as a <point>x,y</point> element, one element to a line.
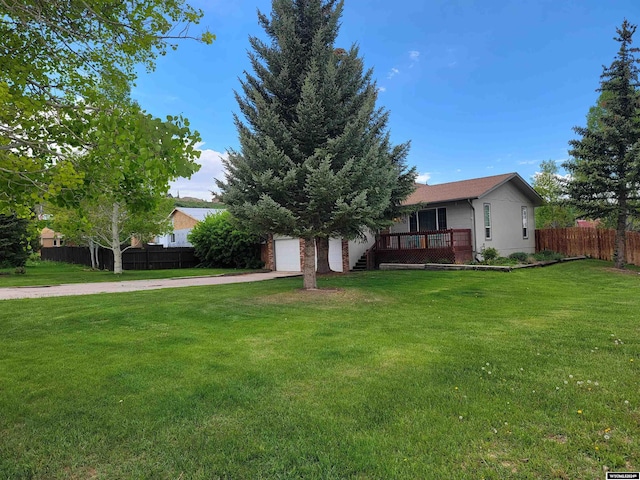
<point>315,156</point>
<point>605,162</point>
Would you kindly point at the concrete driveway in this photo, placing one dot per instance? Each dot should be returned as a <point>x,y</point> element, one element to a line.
<point>11,293</point>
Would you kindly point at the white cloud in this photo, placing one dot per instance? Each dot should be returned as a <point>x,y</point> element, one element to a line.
<point>414,55</point>
<point>423,178</point>
<point>382,89</point>
<point>201,183</point>
<point>558,162</point>
<point>393,72</point>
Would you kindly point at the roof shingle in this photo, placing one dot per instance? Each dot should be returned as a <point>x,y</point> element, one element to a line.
<point>463,190</point>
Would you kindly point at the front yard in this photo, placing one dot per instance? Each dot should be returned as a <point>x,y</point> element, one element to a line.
<point>410,374</point>
<point>56,273</point>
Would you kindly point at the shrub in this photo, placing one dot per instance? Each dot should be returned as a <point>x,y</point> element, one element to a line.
<point>545,255</point>
<point>489,254</point>
<point>521,257</point>
<point>219,241</point>
<point>504,261</point>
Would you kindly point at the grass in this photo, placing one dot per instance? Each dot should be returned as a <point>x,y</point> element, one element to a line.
<point>412,374</point>
<point>56,273</point>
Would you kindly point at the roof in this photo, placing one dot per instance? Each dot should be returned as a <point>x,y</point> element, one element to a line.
<point>47,233</point>
<point>469,190</point>
<point>198,214</point>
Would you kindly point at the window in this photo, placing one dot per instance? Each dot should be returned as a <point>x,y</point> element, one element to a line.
<point>428,220</point>
<point>172,239</point>
<point>487,221</point>
<point>413,222</point>
<point>442,219</point>
<point>525,232</point>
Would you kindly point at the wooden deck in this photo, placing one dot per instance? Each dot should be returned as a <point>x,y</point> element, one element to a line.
<point>441,246</point>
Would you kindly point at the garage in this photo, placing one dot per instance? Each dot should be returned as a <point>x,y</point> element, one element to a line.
<point>335,254</point>
<point>287,254</point>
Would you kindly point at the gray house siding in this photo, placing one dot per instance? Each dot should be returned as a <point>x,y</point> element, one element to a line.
<point>459,215</point>
<point>506,204</point>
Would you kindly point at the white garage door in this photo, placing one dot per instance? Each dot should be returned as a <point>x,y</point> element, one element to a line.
<point>287,253</point>
<point>335,254</point>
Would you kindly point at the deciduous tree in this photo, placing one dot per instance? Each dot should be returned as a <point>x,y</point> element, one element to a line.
<point>130,159</point>
<point>555,213</point>
<point>55,52</point>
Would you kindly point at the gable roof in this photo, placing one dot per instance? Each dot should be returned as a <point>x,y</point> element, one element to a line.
<point>198,214</point>
<point>469,190</point>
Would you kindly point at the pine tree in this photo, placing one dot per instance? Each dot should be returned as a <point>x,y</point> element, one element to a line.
<point>16,241</point>
<point>605,163</point>
<point>315,157</point>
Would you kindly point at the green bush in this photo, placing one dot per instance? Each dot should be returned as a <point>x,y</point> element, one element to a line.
<point>546,255</point>
<point>219,242</point>
<point>489,254</point>
<point>504,261</point>
<point>521,257</point>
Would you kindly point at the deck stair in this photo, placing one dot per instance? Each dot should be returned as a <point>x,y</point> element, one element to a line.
<point>361,264</point>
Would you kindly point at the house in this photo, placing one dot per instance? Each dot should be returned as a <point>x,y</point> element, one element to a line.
<point>587,223</point>
<point>452,223</point>
<point>49,238</point>
<point>468,216</point>
<point>183,221</point>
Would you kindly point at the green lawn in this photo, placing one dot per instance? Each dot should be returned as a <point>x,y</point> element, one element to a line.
<point>55,273</point>
<point>412,375</point>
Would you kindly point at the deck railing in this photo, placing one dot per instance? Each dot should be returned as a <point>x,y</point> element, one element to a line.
<point>442,246</point>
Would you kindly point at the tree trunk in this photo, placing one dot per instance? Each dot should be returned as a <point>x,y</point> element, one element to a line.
<point>309,265</point>
<point>115,239</point>
<point>93,253</point>
<point>322,244</point>
<point>96,257</point>
<point>619,255</point>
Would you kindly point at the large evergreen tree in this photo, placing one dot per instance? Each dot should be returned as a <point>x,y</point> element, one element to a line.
<point>605,162</point>
<point>315,157</point>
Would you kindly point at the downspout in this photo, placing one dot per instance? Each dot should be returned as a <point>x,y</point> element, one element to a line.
<point>475,231</point>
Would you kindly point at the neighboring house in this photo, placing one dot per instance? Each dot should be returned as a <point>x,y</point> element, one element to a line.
<point>495,212</point>
<point>183,221</point>
<point>452,222</point>
<point>587,223</point>
<point>49,238</point>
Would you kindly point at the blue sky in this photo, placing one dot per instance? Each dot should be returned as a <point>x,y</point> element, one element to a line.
<point>480,87</point>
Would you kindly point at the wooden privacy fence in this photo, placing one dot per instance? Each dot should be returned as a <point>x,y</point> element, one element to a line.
<point>150,258</point>
<point>593,242</point>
